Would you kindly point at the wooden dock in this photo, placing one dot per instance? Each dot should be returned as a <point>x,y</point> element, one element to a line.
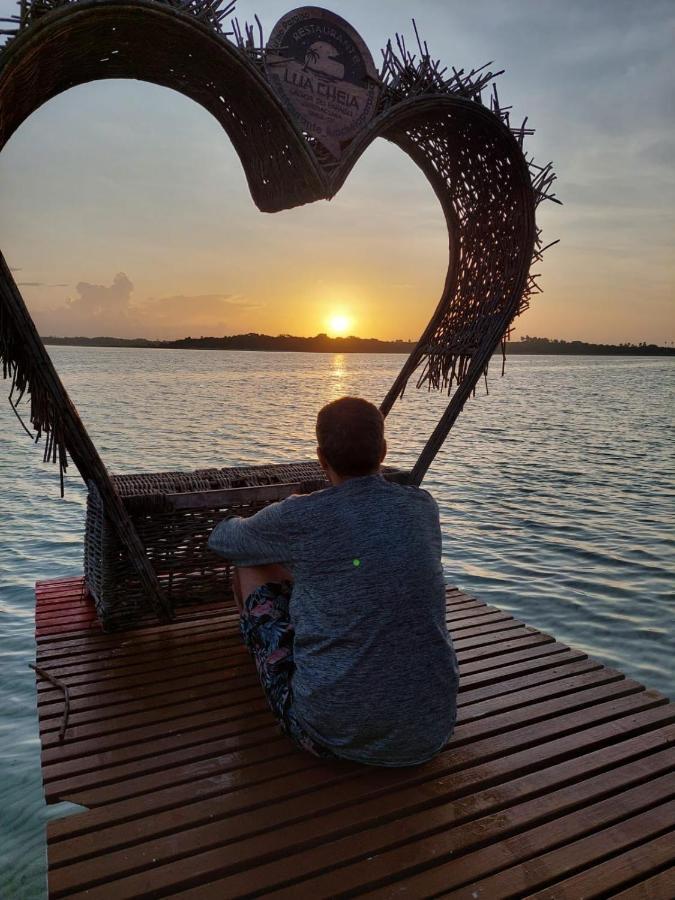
<point>558,782</point>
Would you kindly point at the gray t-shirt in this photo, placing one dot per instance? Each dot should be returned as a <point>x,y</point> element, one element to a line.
<point>375,675</point>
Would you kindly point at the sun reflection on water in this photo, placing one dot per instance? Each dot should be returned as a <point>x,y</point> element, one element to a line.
<point>338,376</point>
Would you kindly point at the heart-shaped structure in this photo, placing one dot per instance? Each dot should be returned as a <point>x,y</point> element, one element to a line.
<point>473,159</point>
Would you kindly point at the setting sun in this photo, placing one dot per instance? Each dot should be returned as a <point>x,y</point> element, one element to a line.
<point>338,324</point>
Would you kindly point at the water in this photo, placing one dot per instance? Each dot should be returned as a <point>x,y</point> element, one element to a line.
<point>556,494</point>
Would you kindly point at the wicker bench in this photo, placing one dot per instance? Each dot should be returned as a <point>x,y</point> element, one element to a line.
<point>174,513</point>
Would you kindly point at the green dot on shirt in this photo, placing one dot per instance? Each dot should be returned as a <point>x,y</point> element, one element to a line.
<point>356,562</point>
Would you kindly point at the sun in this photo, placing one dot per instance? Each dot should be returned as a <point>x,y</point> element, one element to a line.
<point>338,324</point>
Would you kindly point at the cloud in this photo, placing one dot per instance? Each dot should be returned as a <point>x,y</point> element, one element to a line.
<point>39,284</point>
<point>101,301</point>
<point>110,310</point>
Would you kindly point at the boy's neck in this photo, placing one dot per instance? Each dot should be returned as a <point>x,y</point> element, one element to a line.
<point>337,480</point>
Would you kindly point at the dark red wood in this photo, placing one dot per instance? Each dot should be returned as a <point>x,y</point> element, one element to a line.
<point>559,771</point>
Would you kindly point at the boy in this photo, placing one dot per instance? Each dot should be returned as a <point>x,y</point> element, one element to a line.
<point>342,603</point>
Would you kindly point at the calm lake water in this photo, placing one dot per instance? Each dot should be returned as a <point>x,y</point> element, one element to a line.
<point>556,493</point>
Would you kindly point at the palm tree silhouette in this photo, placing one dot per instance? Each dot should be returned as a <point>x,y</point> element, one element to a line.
<point>311,57</point>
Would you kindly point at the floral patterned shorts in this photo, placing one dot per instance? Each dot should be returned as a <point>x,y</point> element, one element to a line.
<point>267,632</point>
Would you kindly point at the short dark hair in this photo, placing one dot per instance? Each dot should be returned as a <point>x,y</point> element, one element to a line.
<point>350,433</point>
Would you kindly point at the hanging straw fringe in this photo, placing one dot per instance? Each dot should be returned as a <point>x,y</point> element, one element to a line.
<point>471,168</point>
<point>28,378</point>
<point>481,207</point>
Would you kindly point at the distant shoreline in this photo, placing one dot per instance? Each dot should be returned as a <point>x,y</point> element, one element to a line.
<point>321,343</point>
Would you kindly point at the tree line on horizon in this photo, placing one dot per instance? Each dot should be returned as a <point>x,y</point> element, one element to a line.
<point>322,343</point>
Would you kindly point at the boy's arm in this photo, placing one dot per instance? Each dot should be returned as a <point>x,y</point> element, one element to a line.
<point>259,540</point>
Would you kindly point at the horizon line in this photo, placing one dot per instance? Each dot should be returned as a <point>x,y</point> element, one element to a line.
<point>529,339</point>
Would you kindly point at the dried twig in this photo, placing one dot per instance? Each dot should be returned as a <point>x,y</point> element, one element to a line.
<point>43,673</point>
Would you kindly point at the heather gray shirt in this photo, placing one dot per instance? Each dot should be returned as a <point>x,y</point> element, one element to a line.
<point>375,672</point>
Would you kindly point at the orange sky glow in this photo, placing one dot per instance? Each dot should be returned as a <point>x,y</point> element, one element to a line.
<point>125,211</point>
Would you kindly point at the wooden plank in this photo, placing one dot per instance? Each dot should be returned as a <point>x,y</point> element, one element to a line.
<point>193,791</point>
<point>127,642</point>
<point>127,822</point>
<point>81,729</point>
<point>284,815</point>
<point>66,613</point>
<point>223,682</point>
<point>98,794</point>
<point>102,695</point>
<point>109,679</point>
<point>55,583</point>
<point>206,742</point>
<point>472,731</point>
<point>217,637</point>
<point>486,749</point>
<point>85,646</point>
<point>267,859</point>
<point>657,886</point>
<point>585,854</point>
<point>465,616</point>
<point>158,693</point>
<point>86,739</point>
<point>87,680</point>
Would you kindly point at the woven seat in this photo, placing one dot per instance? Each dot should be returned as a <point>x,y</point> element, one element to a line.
<point>175,539</point>
<point>173,514</point>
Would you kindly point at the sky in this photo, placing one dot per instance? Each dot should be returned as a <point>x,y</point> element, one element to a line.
<point>124,210</point>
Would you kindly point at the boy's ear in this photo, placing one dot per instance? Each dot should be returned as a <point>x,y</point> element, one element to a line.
<point>384,450</point>
<point>321,457</point>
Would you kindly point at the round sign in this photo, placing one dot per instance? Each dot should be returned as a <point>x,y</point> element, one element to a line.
<point>324,73</point>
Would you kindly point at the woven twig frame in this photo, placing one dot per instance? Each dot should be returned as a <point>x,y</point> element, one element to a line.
<point>473,158</point>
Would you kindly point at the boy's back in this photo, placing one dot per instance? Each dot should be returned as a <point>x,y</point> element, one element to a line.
<point>375,673</point>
